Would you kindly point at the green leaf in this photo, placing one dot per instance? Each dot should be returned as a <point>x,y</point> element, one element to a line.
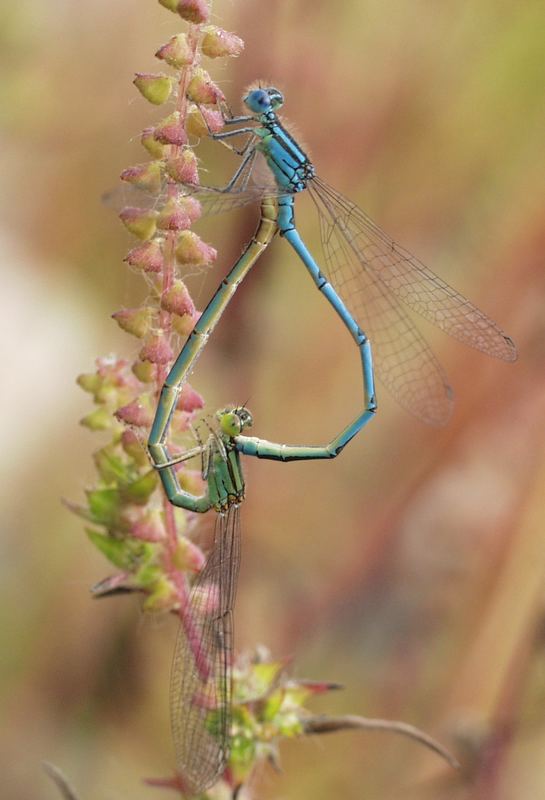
<point>111,467</point>
<point>161,595</point>
<point>273,704</point>
<point>116,550</point>
<point>259,681</point>
<point>139,491</point>
<point>289,725</point>
<point>172,5</point>
<point>98,420</point>
<point>89,382</point>
<point>265,674</point>
<point>243,749</point>
<point>148,574</point>
<point>81,511</point>
<point>104,505</point>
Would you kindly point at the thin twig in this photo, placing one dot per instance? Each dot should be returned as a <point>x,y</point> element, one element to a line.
<point>326,724</point>
<point>60,781</point>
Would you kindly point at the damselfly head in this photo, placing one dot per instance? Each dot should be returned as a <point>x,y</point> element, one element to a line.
<point>276,97</point>
<point>233,420</point>
<point>263,99</point>
<point>245,416</point>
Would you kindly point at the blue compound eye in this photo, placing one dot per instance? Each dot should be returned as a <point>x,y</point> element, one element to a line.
<point>258,101</point>
<point>261,98</point>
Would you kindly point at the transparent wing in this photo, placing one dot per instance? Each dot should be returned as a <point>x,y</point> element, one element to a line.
<point>216,201</point>
<point>250,188</point>
<point>372,273</point>
<point>200,685</point>
<point>213,201</point>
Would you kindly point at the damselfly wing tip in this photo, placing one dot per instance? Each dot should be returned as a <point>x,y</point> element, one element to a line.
<point>512,352</point>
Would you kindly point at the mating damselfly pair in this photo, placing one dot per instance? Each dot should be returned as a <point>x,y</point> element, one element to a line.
<point>368,280</point>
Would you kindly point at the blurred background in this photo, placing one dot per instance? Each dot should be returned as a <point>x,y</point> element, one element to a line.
<point>411,568</point>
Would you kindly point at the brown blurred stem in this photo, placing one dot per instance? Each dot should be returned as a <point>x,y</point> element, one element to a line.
<point>60,781</point>
<point>326,724</point>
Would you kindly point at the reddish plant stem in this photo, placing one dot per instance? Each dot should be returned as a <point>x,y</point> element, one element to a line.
<point>165,323</point>
<point>169,250</point>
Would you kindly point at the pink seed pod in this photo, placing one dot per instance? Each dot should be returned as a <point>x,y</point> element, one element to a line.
<point>177,299</point>
<point>157,350</point>
<point>188,557</point>
<point>173,216</point>
<point>136,321</point>
<point>183,168</point>
<point>201,120</point>
<point>194,11</point>
<point>113,372</point>
<point>149,527</point>
<point>147,256</point>
<point>145,371</point>
<point>218,43</point>
<point>171,130</point>
<point>135,413</point>
<point>139,221</point>
<point>189,400</point>
<point>180,422</point>
<point>155,87</point>
<point>146,176</point>
<point>202,89</point>
<point>133,447</point>
<point>185,324</point>
<point>148,140</point>
<point>192,251</point>
<point>177,52</point>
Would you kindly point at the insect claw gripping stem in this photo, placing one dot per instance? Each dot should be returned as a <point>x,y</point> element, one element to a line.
<point>230,118</point>
<point>223,136</point>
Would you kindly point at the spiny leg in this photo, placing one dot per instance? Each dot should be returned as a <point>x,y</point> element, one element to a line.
<point>242,174</point>
<point>247,151</point>
<point>205,450</point>
<point>221,136</point>
<point>229,118</point>
<point>186,456</point>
